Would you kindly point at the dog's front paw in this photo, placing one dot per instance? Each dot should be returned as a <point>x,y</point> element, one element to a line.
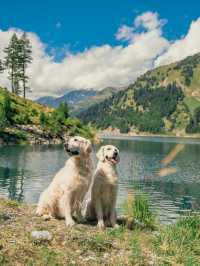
<point>101,225</point>
<point>69,223</point>
<point>39,212</point>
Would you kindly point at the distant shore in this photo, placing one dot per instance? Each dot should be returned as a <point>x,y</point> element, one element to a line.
<point>103,135</point>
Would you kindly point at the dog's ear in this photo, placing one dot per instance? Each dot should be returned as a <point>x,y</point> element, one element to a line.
<point>100,154</point>
<point>88,147</point>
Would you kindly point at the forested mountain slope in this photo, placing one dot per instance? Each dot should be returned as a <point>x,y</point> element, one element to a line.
<point>163,100</point>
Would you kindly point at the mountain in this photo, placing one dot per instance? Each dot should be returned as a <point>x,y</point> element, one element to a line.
<point>99,97</point>
<point>163,100</point>
<point>79,100</point>
<point>72,98</point>
<point>25,121</point>
<point>47,100</point>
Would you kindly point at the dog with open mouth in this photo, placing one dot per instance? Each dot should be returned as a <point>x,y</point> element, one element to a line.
<point>102,202</point>
<point>63,197</point>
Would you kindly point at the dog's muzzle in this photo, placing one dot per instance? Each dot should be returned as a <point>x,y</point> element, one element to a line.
<point>71,152</point>
<point>114,159</point>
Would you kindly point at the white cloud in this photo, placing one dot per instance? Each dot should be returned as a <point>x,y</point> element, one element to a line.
<point>149,20</point>
<point>106,65</point>
<point>143,23</point>
<point>187,45</point>
<point>125,33</point>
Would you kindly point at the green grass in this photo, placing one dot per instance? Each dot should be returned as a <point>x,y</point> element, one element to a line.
<point>192,104</point>
<point>179,243</point>
<point>196,81</point>
<point>3,259</point>
<point>136,257</point>
<point>116,232</point>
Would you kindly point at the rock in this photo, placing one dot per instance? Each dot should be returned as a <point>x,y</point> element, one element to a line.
<point>41,236</point>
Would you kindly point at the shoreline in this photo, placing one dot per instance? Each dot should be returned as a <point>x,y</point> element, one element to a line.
<point>196,139</point>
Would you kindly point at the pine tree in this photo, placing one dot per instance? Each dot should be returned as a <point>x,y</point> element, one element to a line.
<point>24,59</point>
<point>12,63</point>
<point>1,66</point>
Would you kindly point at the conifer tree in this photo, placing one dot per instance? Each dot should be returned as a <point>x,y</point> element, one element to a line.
<point>1,66</point>
<point>25,58</point>
<point>12,63</point>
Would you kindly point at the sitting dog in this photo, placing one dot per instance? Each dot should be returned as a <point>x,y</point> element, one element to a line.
<point>101,205</point>
<point>64,196</point>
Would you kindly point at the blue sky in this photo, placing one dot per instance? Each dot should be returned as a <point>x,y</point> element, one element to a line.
<point>95,44</point>
<point>86,23</point>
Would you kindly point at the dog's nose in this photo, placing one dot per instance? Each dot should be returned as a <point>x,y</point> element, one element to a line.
<point>116,153</point>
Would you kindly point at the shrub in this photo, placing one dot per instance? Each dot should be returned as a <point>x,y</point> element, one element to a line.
<point>5,111</point>
<point>22,118</point>
<point>43,120</point>
<point>3,119</point>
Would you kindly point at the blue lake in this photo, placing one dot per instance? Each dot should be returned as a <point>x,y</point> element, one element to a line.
<point>26,170</point>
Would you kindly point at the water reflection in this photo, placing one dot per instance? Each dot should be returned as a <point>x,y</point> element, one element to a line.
<point>25,171</point>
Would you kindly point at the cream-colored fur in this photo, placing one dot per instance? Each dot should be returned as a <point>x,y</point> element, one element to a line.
<point>64,196</point>
<point>102,204</point>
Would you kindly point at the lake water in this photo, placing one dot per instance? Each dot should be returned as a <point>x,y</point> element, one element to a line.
<point>26,170</point>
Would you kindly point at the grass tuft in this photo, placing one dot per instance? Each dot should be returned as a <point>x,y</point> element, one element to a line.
<point>137,209</point>
<point>179,242</point>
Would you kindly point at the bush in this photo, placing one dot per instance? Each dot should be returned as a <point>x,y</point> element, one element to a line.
<point>3,119</point>
<point>43,120</point>
<point>5,111</point>
<point>22,119</point>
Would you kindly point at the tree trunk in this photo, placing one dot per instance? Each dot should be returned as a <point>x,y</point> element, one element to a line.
<point>24,82</point>
<point>12,81</point>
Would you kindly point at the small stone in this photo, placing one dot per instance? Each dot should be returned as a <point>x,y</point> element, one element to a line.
<point>41,236</point>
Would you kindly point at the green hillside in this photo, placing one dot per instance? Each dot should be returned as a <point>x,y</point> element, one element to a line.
<point>24,121</point>
<point>163,100</point>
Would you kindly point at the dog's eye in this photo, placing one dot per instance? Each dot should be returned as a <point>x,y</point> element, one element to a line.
<point>75,140</point>
<point>108,149</point>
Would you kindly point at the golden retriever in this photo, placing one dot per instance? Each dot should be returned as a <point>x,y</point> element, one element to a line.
<point>101,205</point>
<point>64,196</point>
